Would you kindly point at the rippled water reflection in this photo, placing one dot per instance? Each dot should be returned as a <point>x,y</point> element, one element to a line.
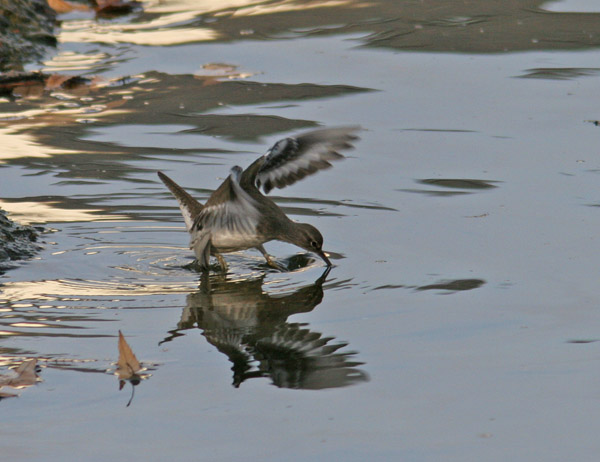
<point>250,327</point>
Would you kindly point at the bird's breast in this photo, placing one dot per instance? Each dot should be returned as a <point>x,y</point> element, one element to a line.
<point>231,241</point>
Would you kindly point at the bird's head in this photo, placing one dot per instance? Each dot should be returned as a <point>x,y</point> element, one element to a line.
<point>309,238</point>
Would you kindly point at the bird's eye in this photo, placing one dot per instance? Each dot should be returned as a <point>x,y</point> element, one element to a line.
<point>314,244</point>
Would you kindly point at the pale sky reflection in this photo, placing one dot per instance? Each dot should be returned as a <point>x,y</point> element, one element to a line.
<point>17,143</point>
<point>47,212</point>
<point>55,289</point>
<point>72,61</point>
<point>197,6</point>
<point>244,7</point>
<point>169,28</point>
<point>287,6</point>
<point>153,33</point>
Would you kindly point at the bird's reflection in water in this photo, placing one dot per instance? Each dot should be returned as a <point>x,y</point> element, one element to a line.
<point>250,326</point>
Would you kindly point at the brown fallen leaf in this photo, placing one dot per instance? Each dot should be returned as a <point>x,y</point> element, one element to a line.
<point>110,8</point>
<point>216,73</point>
<point>61,6</point>
<point>34,84</point>
<point>128,365</point>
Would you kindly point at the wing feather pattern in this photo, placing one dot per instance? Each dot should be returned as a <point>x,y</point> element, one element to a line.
<point>190,207</point>
<point>230,211</point>
<point>291,159</point>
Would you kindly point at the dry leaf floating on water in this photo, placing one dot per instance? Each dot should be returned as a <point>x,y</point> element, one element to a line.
<point>128,365</point>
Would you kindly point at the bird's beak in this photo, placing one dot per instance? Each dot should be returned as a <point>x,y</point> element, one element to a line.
<point>321,254</point>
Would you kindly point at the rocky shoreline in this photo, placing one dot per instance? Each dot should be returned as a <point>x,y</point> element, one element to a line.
<point>17,242</point>
<point>26,32</point>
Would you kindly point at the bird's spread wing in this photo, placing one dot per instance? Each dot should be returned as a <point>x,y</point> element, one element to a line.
<point>230,211</point>
<point>190,207</point>
<point>230,208</point>
<point>291,159</point>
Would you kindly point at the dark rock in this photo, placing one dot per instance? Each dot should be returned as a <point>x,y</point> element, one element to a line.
<point>26,32</point>
<point>17,242</point>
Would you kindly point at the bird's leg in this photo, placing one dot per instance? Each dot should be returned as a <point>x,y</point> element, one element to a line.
<point>222,262</point>
<point>270,260</point>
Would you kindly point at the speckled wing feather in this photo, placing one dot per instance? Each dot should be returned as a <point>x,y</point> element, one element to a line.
<point>291,159</point>
<point>229,215</point>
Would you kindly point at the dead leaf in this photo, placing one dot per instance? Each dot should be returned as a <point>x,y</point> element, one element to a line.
<point>34,84</point>
<point>22,376</point>
<point>61,6</point>
<point>116,7</point>
<point>216,73</point>
<point>128,365</point>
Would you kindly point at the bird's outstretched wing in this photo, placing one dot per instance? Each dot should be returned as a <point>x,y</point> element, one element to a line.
<point>230,213</point>
<point>291,159</point>
<point>190,207</point>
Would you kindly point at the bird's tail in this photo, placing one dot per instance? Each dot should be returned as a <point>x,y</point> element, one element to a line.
<point>190,207</point>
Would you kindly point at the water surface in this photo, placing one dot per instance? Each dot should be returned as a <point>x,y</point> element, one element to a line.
<point>461,320</point>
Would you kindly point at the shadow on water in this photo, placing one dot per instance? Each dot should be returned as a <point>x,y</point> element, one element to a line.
<point>250,326</point>
<point>457,285</point>
<point>559,73</point>
<point>449,286</point>
<point>57,128</point>
<point>452,186</point>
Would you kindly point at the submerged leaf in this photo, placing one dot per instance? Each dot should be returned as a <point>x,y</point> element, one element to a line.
<point>22,376</point>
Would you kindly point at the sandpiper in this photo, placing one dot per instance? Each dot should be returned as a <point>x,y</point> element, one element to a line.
<point>237,216</point>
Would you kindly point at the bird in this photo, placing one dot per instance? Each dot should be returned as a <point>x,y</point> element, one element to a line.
<point>238,216</point>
